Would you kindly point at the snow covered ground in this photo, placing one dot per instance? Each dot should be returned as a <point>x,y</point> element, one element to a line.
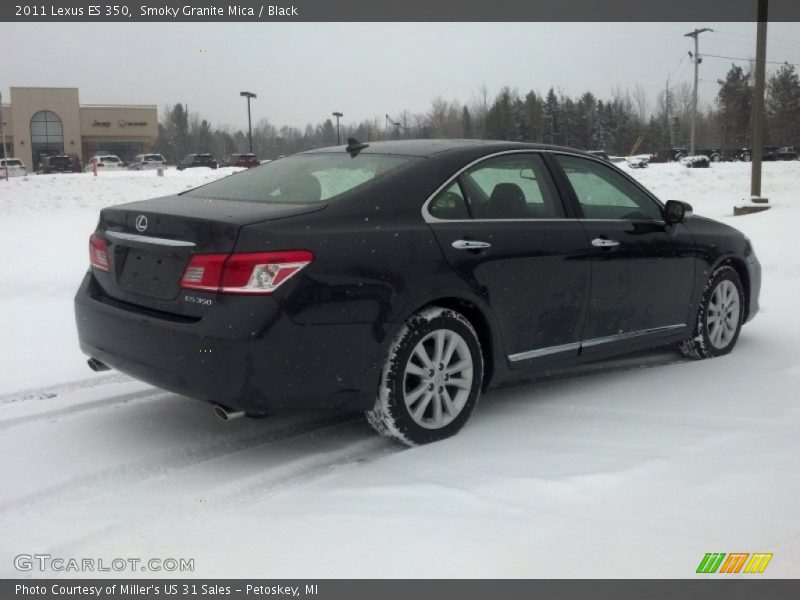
<point>630,468</point>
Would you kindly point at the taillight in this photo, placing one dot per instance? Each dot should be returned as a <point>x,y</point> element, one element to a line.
<point>244,273</point>
<point>98,253</point>
<point>204,272</point>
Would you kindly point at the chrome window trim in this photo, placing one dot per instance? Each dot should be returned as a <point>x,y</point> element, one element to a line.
<point>592,342</point>
<point>630,178</point>
<point>146,239</point>
<point>429,218</point>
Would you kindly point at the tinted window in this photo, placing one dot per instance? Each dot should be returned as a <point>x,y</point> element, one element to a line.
<point>605,193</point>
<point>449,204</point>
<point>512,186</point>
<point>303,178</point>
<point>153,157</point>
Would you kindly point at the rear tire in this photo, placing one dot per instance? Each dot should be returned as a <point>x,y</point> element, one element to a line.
<point>719,319</point>
<point>431,380</point>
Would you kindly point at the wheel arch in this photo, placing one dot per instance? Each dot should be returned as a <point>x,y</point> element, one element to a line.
<point>738,265</point>
<point>481,318</point>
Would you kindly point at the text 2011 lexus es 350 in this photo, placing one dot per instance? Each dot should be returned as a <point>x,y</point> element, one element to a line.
<point>403,278</point>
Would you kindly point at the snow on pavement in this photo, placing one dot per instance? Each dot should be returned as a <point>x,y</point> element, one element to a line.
<point>575,475</point>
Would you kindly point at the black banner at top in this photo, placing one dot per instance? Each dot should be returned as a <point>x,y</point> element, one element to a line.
<point>393,10</point>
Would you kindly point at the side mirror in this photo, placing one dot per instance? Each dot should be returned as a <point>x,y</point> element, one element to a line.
<point>676,211</point>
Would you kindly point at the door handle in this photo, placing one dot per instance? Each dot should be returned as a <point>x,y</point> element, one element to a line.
<point>470,245</point>
<point>602,243</point>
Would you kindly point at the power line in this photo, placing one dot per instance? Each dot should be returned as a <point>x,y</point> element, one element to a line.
<point>751,36</point>
<point>769,62</point>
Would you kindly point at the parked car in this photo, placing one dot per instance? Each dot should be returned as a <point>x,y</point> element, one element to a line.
<point>789,153</point>
<point>637,162</point>
<point>771,153</point>
<point>669,155</point>
<point>242,160</point>
<point>105,162</point>
<point>713,154</point>
<point>197,160</point>
<point>61,163</point>
<point>700,161</point>
<point>14,167</point>
<point>404,278</point>
<point>144,162</point>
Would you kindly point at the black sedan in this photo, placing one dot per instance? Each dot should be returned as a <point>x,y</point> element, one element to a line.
<point>403,278</point>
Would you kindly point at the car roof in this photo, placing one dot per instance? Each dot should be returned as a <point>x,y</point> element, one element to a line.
<point>429,148</point>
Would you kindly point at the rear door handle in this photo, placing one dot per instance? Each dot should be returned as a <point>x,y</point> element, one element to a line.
<point>602,243</point>
<point>470,245</point>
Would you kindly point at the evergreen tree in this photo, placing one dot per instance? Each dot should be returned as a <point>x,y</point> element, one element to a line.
<point>783,106</point>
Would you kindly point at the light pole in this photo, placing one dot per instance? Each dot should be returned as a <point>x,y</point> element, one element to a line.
<point>338,136</point>
<point>249,95</point>
<point>697,60</point>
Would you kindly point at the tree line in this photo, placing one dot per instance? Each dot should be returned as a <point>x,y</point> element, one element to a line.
<point>623,123</point>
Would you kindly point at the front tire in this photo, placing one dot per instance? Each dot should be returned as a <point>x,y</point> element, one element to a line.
<point>431,380</point>
<point>720,317</point>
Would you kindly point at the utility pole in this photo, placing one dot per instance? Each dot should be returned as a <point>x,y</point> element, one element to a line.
<point>3,131</point>
<point>758,104</point>
<point>697,60</point>
<point>668,102</point>
<point>249,95</point>
<point>337,114</point>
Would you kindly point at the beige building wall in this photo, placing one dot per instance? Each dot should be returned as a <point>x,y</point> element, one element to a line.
<point>119,124</point>
<point>26,102</point>
<point>82,125</point>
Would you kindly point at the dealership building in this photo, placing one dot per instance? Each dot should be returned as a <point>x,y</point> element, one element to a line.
<point>46,121</point>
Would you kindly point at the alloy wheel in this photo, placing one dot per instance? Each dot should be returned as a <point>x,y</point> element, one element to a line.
<point>438,379</point>
<point>723,314</point>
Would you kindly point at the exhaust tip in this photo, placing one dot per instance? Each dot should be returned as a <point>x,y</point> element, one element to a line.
<point>226,414</point>
<point>96,366</point>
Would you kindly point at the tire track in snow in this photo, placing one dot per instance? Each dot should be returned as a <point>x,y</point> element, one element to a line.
<point>59,389</point>
<point>275,479</point>
<point>151,394</point>
<point>125,474</point>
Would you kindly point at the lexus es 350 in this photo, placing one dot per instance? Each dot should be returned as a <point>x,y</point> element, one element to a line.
<point>404,278</point>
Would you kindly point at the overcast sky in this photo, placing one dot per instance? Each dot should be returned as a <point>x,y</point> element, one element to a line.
<point>304,71</point>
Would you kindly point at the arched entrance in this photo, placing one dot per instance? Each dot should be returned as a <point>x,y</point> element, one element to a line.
<point>47,136</point>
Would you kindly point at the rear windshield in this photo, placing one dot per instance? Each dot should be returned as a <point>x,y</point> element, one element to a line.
<point>302,178</point>
<point>109,159</point>
<point>60,160</point>
<point>153,157</point>
<point>12,162</point>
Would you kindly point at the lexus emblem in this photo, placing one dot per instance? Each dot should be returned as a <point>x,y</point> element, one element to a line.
<point>141,223</point>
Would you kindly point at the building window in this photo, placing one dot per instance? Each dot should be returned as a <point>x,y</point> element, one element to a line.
<point>47,135</point>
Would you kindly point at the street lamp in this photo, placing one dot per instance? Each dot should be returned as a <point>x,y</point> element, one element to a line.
<point>338,137</point>
<point>249,95</point>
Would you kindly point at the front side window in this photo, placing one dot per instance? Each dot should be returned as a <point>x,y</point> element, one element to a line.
<point>303,178</point>
<point>511,186</point>
<point>604,193</point>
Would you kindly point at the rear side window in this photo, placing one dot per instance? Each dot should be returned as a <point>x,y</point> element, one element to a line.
<point>303,178</point>
<point>511,186</point>
<point>449,204</point>
<point>605,193</point>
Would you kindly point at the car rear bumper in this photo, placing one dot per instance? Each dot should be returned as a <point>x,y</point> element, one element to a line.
<point>246,354</point>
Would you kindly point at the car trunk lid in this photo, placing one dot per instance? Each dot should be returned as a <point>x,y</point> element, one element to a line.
<point>150,243</point>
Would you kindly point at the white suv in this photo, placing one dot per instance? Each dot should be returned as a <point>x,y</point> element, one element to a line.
<point>142,162</point>
<point>105,162</point>
<point>16,168</point>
